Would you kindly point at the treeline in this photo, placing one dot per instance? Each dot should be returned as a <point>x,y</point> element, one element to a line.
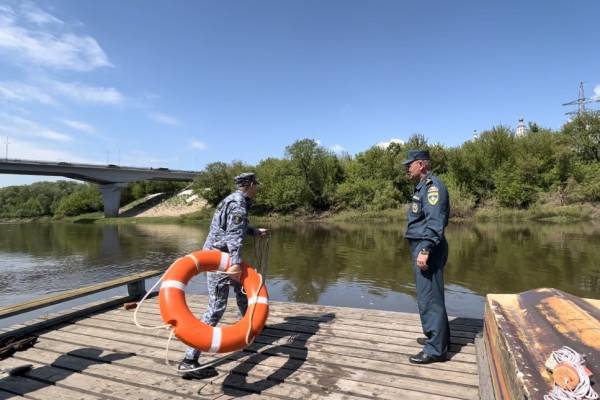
<point>496,169</point>
<point>67,198</point>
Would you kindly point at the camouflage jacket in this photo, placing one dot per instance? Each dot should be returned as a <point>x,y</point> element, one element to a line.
<point>229,226</point>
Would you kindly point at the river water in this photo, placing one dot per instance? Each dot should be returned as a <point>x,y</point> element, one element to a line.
<point>357,265</point>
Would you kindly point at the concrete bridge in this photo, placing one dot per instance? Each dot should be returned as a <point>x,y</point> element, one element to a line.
<point>110,178</point>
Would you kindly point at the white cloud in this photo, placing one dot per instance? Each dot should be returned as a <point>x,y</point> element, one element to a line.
<point>11,125</point>
<point>338,148</point>
<point>39,45</point>
<point>26,150</point>
<point>597,92</point>
<point>38,16</point>
<point>80,126</point>
<point>164,119</point>
<point>385,145</point>
<point>22,92</point>
<point>196,144</point>
<point>317,141</point>
<point>87,94</point>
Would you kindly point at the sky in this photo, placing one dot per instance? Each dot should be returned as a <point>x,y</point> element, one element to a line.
<point>180,84</point>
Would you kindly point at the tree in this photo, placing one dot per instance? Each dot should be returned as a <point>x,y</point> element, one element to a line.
<point>86,198</point>
<point>319,171</point>
<point>216,181</point>
<point>584,134</point>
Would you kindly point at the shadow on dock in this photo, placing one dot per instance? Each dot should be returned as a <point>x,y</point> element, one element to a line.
<point>459,324</point>
<point>280,341</point>
<point>65,365</point>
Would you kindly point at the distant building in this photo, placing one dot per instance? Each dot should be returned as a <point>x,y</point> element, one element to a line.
<point>521,128</point>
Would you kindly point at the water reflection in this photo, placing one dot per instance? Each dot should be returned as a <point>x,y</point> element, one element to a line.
<point>358,265</point>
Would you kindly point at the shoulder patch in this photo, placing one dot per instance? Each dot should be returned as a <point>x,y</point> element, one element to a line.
<point>433,196</point>
<point>433,189</point>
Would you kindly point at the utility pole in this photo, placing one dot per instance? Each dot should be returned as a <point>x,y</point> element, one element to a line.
<point>6,152</point>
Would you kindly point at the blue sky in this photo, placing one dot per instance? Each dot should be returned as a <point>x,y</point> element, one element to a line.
<point>179,84</point>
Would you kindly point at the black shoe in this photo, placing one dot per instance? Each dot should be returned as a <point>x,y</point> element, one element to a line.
<point>422,341</point>
<point>189,370</point>
<point>424,358</point>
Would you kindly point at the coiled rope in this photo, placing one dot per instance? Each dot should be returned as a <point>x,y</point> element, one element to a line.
<point>583,391</point>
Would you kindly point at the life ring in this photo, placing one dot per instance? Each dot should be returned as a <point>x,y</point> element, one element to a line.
<point>175,312</point>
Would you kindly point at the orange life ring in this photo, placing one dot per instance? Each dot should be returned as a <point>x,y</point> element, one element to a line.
<point>175,312</point>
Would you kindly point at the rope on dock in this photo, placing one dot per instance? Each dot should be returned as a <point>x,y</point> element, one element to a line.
<point>583,390</point>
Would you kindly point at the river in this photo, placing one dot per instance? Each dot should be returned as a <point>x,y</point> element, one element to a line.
<point>340,264</point>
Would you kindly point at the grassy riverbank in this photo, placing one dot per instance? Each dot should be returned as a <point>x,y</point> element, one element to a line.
<point>542,213</point>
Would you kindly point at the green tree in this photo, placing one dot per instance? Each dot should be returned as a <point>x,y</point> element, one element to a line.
<point>584,134</point>
<point>216,181</point>
<point>86,198</point>
<point>319,171</point>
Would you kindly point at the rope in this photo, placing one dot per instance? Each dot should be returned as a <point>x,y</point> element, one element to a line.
<point>144,299</point>
<point>584,390</point>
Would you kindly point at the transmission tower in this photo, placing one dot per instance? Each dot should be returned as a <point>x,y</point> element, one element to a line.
<point>580,102</point>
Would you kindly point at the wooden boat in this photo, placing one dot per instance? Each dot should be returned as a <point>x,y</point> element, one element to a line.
<point>522,330</point>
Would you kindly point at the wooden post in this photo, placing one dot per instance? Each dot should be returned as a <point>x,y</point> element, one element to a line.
<point>136,289</point>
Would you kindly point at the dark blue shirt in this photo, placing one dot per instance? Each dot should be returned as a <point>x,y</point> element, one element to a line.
<point>428,213</point>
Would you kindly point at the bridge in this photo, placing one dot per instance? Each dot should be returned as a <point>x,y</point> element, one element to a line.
<point>110,178</point>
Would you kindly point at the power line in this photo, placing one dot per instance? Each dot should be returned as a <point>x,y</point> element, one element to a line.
<point>581,101</point>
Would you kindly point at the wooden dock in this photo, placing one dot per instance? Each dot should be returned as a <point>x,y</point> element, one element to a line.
<point>305,352</point>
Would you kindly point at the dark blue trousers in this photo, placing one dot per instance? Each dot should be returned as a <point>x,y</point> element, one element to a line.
<point>430,298</point>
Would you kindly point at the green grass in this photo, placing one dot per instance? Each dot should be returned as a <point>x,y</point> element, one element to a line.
<point>545,213</point>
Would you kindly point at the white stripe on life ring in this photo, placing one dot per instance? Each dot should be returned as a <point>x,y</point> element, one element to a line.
<point>216,340</point>
<point>196,263</point>
<point>224,262</point>
<point>173,284</point>
<point>259,300</point>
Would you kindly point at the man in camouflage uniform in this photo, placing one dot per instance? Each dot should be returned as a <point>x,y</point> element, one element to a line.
<point>227,230</point>
<point>427,219</point>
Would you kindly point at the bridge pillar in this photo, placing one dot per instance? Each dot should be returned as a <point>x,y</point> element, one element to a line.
<point>111,196</point>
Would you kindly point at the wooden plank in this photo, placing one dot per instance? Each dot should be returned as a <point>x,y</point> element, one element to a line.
<point>7,395</point>
<point>325,320</point>
<point>370,371</point>
<point>331,335</point>
<point>73,294</point>
<point>291,348</point>
<point>264,379</point>
<point>41,389</point>
<point>486,389</point>
<point>366,351</point>
<point>197,303</point>
<point>274,357</point>
<point>95,385</point>
<point>332,327</point>
<point>556,319</point>
<point>57,318</point>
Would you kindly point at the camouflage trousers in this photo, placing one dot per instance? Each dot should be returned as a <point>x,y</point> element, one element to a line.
<point>218,292</point>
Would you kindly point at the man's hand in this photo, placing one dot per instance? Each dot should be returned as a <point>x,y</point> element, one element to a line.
<point>262,232</point>
<point>422,261</point>
<point>234,272</point>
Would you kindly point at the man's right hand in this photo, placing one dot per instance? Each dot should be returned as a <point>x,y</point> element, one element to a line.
<point>235,272</point>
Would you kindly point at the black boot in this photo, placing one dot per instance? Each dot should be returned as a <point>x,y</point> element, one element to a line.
<point>189,370</point>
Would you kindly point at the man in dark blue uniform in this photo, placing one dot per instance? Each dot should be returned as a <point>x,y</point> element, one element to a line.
<point>427,218</point>
<point>227,230</point>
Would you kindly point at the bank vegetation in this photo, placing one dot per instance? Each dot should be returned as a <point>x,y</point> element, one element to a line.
<point>543,174</point>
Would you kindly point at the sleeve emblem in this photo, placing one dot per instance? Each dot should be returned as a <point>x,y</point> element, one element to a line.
<point>433,195</point>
